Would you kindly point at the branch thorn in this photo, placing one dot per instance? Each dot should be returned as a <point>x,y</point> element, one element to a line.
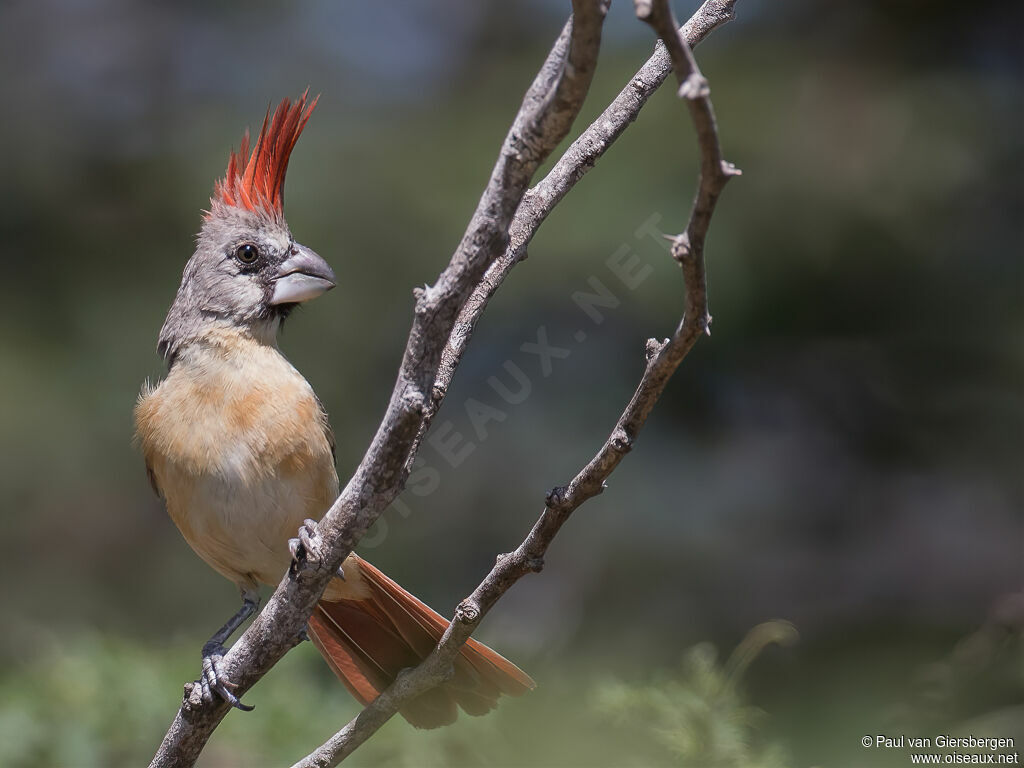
<point>652,348</point>
<point>728,169</point>
<point>681,247</point>
<point>644,9</point>
<point>467,612</point>
<point>621,441</point>
<point>694,87</point>
<point>555,497</point>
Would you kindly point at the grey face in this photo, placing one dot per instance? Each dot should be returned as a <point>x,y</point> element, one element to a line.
<point>246,271</point>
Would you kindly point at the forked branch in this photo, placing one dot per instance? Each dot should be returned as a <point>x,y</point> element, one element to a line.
<point>544,118</point>
<point>581,156</point>
<point>662,360</point>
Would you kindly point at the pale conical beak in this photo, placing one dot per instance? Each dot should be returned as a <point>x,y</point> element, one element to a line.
<point>302,276</point>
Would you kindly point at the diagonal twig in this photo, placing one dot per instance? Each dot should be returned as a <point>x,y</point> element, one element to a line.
<point>663,358</point>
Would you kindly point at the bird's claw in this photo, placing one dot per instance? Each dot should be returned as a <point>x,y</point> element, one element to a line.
<point>214,681</point>
<point>307,548</point>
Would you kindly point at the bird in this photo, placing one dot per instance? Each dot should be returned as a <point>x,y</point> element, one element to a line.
<point>238,445</point>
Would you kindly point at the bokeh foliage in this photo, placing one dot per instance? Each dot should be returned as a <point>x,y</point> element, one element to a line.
<point>844,452</point>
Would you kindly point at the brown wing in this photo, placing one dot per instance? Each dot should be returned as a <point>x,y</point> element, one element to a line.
<point>328,432</point>
<point>152,480</point>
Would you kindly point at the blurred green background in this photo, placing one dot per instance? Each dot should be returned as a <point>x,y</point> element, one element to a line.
<point>844,453</point>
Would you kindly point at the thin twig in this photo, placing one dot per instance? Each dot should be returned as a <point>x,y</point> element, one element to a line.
<point>548,110</point>
<point>581,156</point>
<point>663,358</point>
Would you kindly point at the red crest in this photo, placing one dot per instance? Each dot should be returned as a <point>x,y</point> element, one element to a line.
<point>258,185</point>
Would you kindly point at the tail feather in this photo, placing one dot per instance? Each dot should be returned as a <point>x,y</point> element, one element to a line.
<point>367,673</point>
<point>368,642</point>
<point>490,666</point>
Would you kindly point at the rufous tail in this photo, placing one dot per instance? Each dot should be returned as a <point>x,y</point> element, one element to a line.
<point>368,642</point>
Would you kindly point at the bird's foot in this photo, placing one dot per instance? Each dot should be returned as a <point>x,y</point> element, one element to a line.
<point>214,681</point>
<point>307,549</point>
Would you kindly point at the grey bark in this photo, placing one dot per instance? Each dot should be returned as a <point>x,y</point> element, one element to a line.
<point>663,358</point>
<point>505,219</point>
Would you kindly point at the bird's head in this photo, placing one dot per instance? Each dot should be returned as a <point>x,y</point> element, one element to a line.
<point>247,271</point>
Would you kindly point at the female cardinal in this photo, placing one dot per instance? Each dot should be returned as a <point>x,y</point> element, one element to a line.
<point>238,445</point>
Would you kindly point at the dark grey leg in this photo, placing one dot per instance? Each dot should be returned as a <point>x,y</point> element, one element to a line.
<point>212,680</point>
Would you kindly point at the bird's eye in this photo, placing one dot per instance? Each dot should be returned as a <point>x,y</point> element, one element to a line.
<point>247,253</point>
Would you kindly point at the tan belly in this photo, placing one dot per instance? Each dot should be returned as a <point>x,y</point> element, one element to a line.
<point>238,449</point>
<point>240,526</point>
<point>242,529</point>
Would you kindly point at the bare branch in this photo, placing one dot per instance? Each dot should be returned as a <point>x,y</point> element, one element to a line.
<point>581,156</point>
<point>545,117</point>
<point>693,87</point>
<point>663,358</point>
